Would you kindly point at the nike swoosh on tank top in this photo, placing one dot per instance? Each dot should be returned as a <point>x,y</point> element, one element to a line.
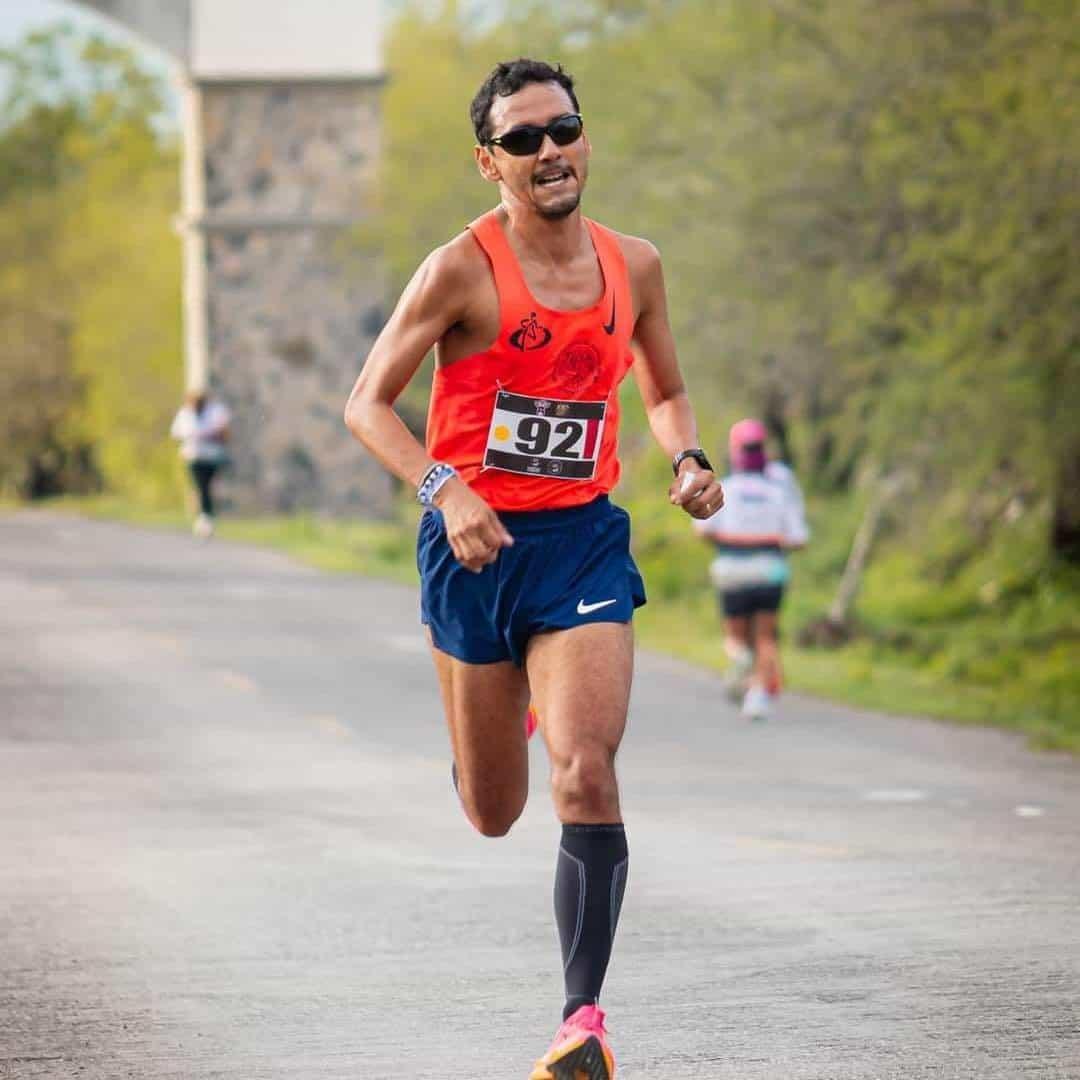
<point>531,423</point>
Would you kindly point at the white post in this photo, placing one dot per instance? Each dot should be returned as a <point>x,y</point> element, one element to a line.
<point>193,207</point>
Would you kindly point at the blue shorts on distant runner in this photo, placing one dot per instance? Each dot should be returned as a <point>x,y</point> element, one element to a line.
<point>566,568</point>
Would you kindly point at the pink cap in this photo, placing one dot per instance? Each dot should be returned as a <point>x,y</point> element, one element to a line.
<point>748,433</point>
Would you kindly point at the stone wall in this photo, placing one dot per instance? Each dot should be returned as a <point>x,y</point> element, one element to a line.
<point>293,308</point>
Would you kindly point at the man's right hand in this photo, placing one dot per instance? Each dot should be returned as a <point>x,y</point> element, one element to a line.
<point>474,530</point>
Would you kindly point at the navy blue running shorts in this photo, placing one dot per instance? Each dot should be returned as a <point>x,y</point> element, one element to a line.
<point>751,599</point>
<point>566,568</point>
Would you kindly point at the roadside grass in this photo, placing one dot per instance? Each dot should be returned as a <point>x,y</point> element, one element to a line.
<point>383,549</point>
<point>997,643</point>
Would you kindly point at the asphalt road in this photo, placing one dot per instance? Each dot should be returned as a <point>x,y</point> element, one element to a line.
<point>229,848</point>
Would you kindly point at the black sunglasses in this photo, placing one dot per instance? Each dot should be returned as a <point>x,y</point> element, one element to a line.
<point>528,138</point>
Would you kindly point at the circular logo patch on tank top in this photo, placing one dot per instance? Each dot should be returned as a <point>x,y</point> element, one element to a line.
<point>577,367</point>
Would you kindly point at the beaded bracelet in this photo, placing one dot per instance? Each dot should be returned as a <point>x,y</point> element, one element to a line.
<point>432,483</point>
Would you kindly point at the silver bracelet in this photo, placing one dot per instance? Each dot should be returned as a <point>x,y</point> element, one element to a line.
<point>432,483</point>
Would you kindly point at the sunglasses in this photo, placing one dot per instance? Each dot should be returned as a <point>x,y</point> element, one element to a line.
<point>528,138</point>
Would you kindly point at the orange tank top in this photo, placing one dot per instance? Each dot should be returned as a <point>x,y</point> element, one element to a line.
<point>532,422</point>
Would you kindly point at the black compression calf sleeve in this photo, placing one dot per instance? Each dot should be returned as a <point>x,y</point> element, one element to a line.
<point>589,882</point>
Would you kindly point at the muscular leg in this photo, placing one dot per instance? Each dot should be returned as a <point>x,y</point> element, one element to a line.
<point>739,647</point>
<point>767,673</point>
<point>580,680</point>
<point>484,704</point>
<point>737,634</point>
<point>581,685</point>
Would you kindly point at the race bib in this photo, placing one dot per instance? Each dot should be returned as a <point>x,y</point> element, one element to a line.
<point>544,436</point>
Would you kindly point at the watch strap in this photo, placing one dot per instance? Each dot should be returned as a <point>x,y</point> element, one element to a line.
<point>696,453</point>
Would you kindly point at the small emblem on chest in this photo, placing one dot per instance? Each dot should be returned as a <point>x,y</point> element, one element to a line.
<point>577,367</point>
<point>609,327</point>
<point>531,335</point>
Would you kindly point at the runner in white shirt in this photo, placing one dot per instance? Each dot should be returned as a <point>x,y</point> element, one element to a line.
<point>201,426</point>
<point>761,520</point>
<point>785,477</point>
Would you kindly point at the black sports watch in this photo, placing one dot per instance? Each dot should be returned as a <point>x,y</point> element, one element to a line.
<point>696,453</point>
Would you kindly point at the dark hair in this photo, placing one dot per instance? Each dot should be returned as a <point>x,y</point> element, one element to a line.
<point>508,78</point>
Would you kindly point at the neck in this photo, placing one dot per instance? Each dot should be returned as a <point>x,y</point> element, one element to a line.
<point>559,239</point>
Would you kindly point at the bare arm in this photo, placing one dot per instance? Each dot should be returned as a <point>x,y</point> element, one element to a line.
<point>656,370</point>
<point>427,309</point>
<point>433,302</point>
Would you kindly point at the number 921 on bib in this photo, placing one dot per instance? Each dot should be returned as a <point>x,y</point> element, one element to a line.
<point>536,436</point>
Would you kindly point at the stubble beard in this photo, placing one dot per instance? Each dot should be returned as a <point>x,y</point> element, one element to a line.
<point>560,210</point>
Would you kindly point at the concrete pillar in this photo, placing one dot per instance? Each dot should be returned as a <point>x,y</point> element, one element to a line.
<point>293,307</point>
<point>280,115</point>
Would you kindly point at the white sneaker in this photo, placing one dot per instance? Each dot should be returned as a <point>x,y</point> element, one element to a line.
<point>758,703</point>
<point>203,527</point>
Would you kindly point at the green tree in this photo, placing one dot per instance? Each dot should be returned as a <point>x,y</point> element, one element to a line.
<point>90,273</point>
<point>867,214</point>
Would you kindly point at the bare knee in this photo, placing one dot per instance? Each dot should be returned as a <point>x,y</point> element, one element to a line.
<point>584,786</point>
<point>492,824</point>
<point>492,815</point>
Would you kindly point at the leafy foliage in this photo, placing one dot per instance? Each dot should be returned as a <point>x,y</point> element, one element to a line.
<point>868,215</point>
<point>90,275</point>
<point>866,212</point>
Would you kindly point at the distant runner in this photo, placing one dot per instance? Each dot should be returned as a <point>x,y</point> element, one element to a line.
<point>527,582</point>
<point>763,518</point>
<point>201,426</point>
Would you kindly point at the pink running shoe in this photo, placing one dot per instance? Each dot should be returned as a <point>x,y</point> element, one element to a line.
<point>580,1050</point>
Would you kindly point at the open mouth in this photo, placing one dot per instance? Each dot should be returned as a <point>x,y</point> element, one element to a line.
<point>553,178</point>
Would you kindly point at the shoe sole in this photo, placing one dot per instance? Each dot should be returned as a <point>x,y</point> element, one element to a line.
<point>584,1062</point>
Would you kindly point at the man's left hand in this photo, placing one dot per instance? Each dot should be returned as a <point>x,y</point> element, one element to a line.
<point>697,491</point>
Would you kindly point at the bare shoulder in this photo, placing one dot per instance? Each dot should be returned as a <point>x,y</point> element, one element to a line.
<point>641,255</point>
<point>450,281</point>
<point>458,263</point>
<point>644,271</point>
<point>446,283</point>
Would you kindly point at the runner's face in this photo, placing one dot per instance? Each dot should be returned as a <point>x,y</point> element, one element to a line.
<point>551,180</point>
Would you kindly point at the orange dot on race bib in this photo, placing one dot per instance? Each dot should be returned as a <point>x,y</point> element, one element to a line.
<point>502,433</point>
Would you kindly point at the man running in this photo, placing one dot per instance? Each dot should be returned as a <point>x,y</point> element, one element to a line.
<point>527,582</point>
<point>762,519</point>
